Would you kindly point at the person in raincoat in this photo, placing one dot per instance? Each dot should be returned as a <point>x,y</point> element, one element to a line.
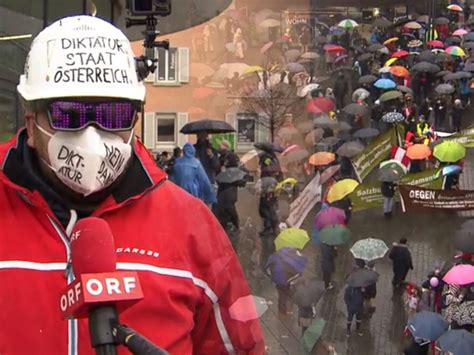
<point>401,262</point>
<point>189,174</point>
<point>354,300</point>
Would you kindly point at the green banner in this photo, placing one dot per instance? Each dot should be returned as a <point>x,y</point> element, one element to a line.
<point>217,138</point>
<point>465,137</point>
<point>369,195</point>
<point>377,151</point>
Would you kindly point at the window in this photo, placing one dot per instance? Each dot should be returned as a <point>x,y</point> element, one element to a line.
<point>172,68</point>
<point>165,129</point>
<point>161,130</point>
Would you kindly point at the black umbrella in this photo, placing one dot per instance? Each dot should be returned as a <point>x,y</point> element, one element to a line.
<point>464,241</point>
<point>268,147</point>
<point>350,149</point>
<point>441,21</point>
<point>307,292</point>
<point>324,121</point>
<point>330,141</point>
<point>366,133</point>
<point>344,126</point>
<point>457,342</point>
<point>452,40</point>
<point>442,73</point>
<point>427,56</point>
<point>469,37</point>
<point>210,126</point>
<point>375,47</point>
<point>468,45</point>
<point>356,109</point>
<point>362,278</point>
<point>367,79</point>
<point>457,76</point>
<point>230,175</point>
<point>405,89</point>
<point>364,57</point>
<point>393,117</point>
<point>389,175</point>
<point>382,22</point>
<point>426,67</point>
<point>445,89</point>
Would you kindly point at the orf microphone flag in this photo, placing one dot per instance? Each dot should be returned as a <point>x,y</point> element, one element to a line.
<point>94,264</point>
<point>98,289</point>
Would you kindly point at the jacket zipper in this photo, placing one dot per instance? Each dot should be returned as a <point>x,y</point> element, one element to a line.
<point>68,274</point>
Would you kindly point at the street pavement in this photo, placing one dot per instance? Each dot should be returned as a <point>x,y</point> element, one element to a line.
<point>429,239</point>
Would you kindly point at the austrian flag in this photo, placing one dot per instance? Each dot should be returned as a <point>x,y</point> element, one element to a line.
<point>400,154</point>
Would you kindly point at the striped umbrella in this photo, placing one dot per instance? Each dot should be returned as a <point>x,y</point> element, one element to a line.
<point>455,51</point>
<point>415,43</point>
<point>348,24</point>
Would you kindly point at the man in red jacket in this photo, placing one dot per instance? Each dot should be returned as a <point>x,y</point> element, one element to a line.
<point>77,158</point>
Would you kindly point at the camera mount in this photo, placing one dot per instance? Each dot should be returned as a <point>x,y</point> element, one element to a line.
<point>146,63</point>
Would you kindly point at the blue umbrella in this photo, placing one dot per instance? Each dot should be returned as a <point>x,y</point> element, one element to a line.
<point>385,84</point>
<point>427,325</point>
<point>450,170</point>
<point>285,264</point>
<point>457,342</point>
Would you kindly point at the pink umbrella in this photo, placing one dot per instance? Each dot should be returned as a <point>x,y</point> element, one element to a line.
<point>329,216</point>
<point>266,47</point>
<point>460,275</point>
<point>460,32</point>
<point>291,148</point>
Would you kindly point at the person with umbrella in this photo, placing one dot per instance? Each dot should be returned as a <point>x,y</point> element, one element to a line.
<point>207,155</point>
<point>189,174</point>
<point>401,262</point>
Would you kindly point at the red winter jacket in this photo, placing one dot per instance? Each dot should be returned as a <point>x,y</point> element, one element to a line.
<point>190,276</point>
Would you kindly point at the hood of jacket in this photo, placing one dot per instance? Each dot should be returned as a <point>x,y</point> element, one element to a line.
<point>189,150</point>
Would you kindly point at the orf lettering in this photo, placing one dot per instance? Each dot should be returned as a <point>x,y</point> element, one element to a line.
<point>94,287</point>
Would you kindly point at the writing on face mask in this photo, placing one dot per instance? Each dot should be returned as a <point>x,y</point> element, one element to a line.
<point>72,161</point>
<point>113,162</point>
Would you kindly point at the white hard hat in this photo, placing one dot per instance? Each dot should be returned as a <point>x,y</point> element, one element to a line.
<point>80,56</point>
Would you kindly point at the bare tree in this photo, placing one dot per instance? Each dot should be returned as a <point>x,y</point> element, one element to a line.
<point>271,105</point>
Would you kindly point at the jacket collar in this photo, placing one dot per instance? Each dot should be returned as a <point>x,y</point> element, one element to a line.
<point>141,176</point>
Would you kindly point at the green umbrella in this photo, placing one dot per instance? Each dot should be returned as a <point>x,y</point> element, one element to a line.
<point>390,95</point>
<point>449,152</point>
<point>334,235</point>
<point>369,249</point>
<point>312,334</point>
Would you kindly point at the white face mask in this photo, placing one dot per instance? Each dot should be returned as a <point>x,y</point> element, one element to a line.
<point>89,160</point>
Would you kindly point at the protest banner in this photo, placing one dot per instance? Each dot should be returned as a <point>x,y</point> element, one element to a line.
<point>465,137</point>
<point>306,200</point>
<point>369,195</point>
<point>415,198</point>
<point>377,151</point>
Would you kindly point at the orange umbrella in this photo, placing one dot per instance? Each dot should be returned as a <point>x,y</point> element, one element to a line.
<point>322,158</point>
<point>418,151</point>
<point>400,71</point>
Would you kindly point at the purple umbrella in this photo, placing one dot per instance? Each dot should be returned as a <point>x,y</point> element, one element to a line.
<point>295,67</point>
<point>284,265</point>
<point>329,216</point>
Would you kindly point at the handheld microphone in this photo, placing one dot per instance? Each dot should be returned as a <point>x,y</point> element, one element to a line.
<point>98,289</point>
